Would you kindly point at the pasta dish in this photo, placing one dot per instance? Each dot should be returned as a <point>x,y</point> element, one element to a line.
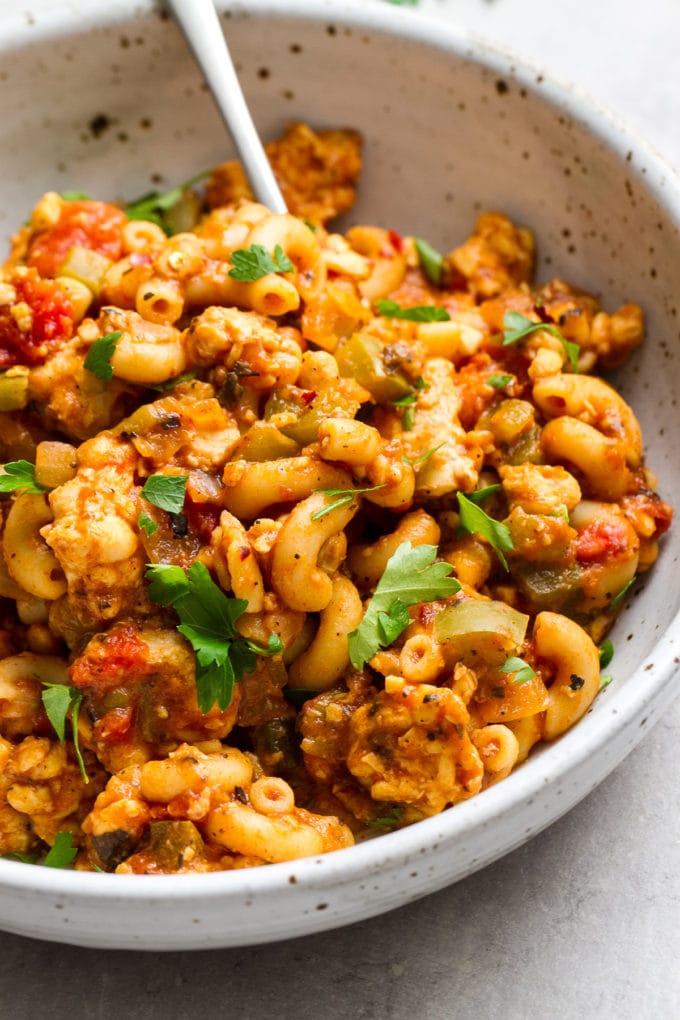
<point>306,536</point>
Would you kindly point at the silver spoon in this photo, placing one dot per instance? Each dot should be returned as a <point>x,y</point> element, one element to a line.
<point>202,30</point>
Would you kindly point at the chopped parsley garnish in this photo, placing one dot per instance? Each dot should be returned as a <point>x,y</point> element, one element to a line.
<point>153,206</point>
<point>479,495</point>
<point>147,524</point>
<point>18,855</point>
<point>605,680</point>
<point>207,620</point>
<point>430,260</point>
<point>394,817</point>
<point>618,599</point>
<point>411,576</point>
<point>342,498</point>
<point>20,475</point>
<point>606,653</point>
<point>475,521</point>
<point>423,457</point>
<point>522,670</point>
<point>170,384</point>
<point>517,328</point>
<point>98,358</point>
<point>416,313</point>
<point>75,196</point>
<point>57,700</point>
<point>500,381</point>
<point>166,492</point>
<point>249,264</point>
<point>63,853</point>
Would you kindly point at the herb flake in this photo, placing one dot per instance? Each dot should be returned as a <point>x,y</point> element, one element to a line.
<point>19,475</point>
<point>475,521</point>
<point>517,328</point>
<point>98,358</point>
<point>252,263</point>
<point>166,492</point>
<point>416,313</point>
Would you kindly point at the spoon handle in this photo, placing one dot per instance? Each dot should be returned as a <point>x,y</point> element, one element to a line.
<point>203,32</point>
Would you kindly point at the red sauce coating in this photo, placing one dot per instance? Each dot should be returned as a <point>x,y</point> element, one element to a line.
<point>601,540</point>
<point>93,225</point>
<point>51,314</point>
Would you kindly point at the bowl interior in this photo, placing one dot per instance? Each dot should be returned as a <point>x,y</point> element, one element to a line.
<point>115,107</point>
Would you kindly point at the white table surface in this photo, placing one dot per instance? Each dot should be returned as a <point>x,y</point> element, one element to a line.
<point>583,921</point>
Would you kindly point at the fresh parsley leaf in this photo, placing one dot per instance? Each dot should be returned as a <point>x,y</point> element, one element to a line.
<point>394,817</point>
<point>517,328</point>
<point>147,524</point>
<point>153,206</point>
<point>423,457</point>
<point>170,384</point>
<point>606,653</point>
<point>207,620</point>
<point>430,260</point>
<point>479,495</point>
<point>20,475</point>
<point>344,496</point>
<point>618,599</point>
<point>98,358</point>
<point>416,313</point>
<point>393,622</point>
<point>166,492</point>
<point>605,680</point>
<point>57,700</point>
<point>75,196</point>
<point>522,670</point>
<point>252,263</point>
<point>411,576</point>
<point>17,855</point>
<point>475,521</point>
<point>408,418</point>
<point>63,853</point>
<point>499,382</point>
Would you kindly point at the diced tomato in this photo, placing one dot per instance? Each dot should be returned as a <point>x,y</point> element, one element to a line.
<point>93,225</point>
<point>602,539</point>
<point>49,318</point>
<point>119,658</point>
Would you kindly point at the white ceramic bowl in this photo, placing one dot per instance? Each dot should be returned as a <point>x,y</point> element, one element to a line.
<point>103,98</point>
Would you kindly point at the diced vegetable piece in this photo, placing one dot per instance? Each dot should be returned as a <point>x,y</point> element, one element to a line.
<point>86,266</point>
<point>547,587</point>
<point>14,389</point>
<point>171,843</point>
<point>263,441</point>
<point>477,627</point>
<point>55,463</point>
<point>362,358</point>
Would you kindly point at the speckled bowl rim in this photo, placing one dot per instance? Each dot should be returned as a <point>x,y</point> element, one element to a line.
<point>641,700</point>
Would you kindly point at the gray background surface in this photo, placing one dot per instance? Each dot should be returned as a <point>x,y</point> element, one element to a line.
<point>583,921</point>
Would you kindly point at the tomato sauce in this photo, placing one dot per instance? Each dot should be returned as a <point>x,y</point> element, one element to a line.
<point>96,226</point>
<point>50,314</point>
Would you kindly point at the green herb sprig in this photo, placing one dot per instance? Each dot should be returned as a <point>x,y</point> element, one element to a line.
<point>19,475</point>
<point>517,328</point>
<point>416,313</point>
<point>475,521</point>
<point>250,264</point>
<point>207,620</point>
<point>98,358</point>
<point>341,497</point>
<point>410,576</point>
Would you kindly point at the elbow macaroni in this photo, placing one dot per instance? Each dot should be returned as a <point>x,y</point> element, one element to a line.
<point>310,434</point>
